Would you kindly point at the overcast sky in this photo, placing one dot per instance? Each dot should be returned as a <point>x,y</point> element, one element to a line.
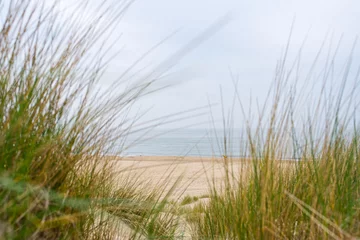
<point>250,45</point>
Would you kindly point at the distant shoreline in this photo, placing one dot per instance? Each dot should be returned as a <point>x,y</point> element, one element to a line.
<point>149,158</point>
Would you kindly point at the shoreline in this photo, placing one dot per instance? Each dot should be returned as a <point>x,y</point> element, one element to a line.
<point>149,158</point>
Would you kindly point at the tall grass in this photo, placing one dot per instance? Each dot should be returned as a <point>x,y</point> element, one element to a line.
<point>316,195</point>
<point>58,132</point>
<point>57,129</point>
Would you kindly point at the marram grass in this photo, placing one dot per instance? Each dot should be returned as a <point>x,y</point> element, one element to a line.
<point>56,130</point>
<point>314,191</point>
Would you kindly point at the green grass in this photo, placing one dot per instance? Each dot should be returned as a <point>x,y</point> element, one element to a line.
<point>57,132</point>
<point>315,197</point>
<point>189,199</point>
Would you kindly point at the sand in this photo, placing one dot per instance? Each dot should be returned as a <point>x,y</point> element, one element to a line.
<point>196,173</point>
<point>191,176</point>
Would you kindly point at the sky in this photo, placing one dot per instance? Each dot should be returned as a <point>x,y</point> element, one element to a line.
<point>247,47</point>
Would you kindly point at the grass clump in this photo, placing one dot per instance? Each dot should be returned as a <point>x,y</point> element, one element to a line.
<point>57,129</point>
<point>189,199</point>
<point>315,195</point>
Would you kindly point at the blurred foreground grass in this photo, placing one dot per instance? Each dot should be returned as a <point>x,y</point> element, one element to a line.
<point>56,129</point>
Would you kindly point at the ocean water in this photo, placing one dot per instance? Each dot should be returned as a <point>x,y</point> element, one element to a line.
<point>184,142</point>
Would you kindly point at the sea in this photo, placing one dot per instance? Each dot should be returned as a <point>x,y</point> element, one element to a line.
<point>184,142</point>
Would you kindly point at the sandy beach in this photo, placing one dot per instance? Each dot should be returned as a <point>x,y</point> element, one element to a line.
<point>194,173</point>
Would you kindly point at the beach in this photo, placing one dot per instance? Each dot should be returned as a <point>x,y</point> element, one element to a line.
<point>192,175</point>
